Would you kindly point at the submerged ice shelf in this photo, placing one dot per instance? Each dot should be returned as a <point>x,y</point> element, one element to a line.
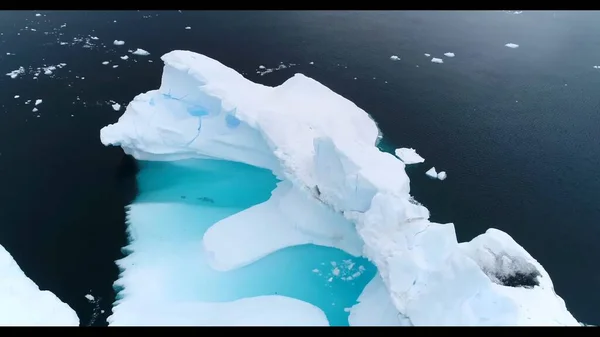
<point>323,149</point>
<point>167,280</point>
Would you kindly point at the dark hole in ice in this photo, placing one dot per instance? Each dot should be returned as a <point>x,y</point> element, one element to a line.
<point>520,279</point>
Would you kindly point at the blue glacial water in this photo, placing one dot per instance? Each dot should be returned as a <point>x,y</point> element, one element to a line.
<point>179,201</point>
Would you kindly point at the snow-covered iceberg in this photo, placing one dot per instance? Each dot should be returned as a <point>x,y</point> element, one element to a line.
<point>22,303</point>
<point>323,148</point>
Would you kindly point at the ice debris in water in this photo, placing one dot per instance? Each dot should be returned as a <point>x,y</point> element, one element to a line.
<point>335,183</point>
<point>34,110</point>
<point>512,45</point>
<point>408,156</point>
<point>90,297</point>
<point>125,57</point>
<point>449,54</point>
<point>431,173</point>
<point>24,304</point>
<point>105,62</point>
<point>38,14</point>
<point>427,55</point>
<point>16,73</point>
<point>116,106</point>
<point>188,27</point>
<point>118,42</point>
<point>17,96</point>
<point>394,58</point>
<point>442,175</point>
<point>437,60</point>
<point>38,102</point>
<point>140,52</point>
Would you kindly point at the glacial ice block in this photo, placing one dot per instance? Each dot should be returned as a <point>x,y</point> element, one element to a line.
<point>289,218</point>
<point>324,146</point>
<point>22,303</point>
<point>431,173</point>
<point>409,156</point>
<point>375,308</point>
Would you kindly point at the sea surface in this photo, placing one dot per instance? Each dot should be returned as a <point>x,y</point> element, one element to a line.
<point>517,129</point>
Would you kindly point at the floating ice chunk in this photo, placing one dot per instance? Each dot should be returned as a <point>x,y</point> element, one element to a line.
<point>38,14</point>
<point>512,45</point>
<point>105,62</point>
<point>261,67</point>
<point>33,30</point>
<point>289,218</point>
<point>34,110</point>
<point>17,96</point>
<point>442,175</point>
<point>115,66</point>
<point>22,303</point>
<point>431,173</point>
<point>311,62</point>
<point>90,297</point>
<point>116,106</point>
<point>409,156</point>
<point>16,73</point>
<point>94,37</point>
<point>38,101</point>
<point>449,54</point>
<point>394,58</point>
<point>437,60</point>
<point>427,55</point>
<point>125,57</point>
<point>375,308</point>
<point>140,52</point>
<point>188,27</point>
<point>252,311</point>
<point>118,42</point>
<point>596,67</point>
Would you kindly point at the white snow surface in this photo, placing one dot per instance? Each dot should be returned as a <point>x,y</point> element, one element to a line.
<point>408,156</point>
<point>324,149</point>
<point>22,303</point>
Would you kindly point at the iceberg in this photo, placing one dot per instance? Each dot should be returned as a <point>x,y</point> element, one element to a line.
<point>408,156</point>
<point>432,173</point>
<point>22,303</point>
<point>336,189</point>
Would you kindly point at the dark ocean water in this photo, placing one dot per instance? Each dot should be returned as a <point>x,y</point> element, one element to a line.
<point>517,130</point>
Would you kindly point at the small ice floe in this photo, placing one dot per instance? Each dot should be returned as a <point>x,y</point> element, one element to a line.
<point>93,37</point>
<point>188,27</point>
<point>116,106</point>
<point>140,52</point>
<point>105,62</point>
<point>38,102</point>
<point>118,43</point>
<point>38,14</point>
<point>115,66</point>
<point>17,96</point>
<point>596,67</point>
<point>124,57</point>
<point>431,173</point>
<point>409,156</point>
<point>437,60</point>
<point>427,55</point>
<point>261,67</point>
<point>90,297</point>
<point>442,175</point>
<point>449,54</point>
<point>34,110</point>
<point>394,58</point>
<point>16,73</point>
<point>311,62</point>
<point>512,45</point>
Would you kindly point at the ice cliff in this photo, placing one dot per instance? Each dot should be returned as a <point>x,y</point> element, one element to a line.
<point>24,304</point>
<point>339,190</point>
